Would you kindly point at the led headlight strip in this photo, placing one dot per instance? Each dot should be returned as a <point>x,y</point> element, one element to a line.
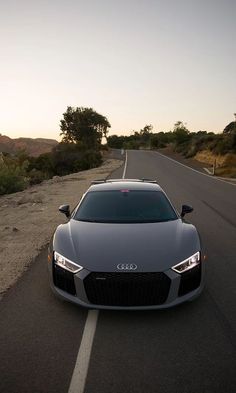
<point>187,264</point>
<point>66,263</point>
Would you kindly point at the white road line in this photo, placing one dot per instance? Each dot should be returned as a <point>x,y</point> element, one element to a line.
<point>79,376</point>
<point>125,167</point>
<point>208,171</point>
<point>195,170</point>
<point>80,372</point>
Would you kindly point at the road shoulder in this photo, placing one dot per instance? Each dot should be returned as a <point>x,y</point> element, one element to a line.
<point>28,218</point>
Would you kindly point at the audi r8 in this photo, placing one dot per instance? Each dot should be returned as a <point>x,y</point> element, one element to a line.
<point>125,246</point>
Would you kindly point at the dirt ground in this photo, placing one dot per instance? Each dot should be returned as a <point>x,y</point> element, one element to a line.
<point>28,218</point>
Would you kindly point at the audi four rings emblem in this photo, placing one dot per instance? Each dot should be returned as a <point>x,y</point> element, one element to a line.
<point>127,266</point>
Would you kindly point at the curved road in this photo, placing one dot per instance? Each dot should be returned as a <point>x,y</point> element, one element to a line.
<point>190,348</point>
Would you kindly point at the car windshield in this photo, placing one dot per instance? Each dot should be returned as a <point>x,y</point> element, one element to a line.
<point>125,206</point>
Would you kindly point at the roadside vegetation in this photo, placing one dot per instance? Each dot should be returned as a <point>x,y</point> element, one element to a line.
<point>82,130</point>
<point>202,145</point>
<point>180,139</point>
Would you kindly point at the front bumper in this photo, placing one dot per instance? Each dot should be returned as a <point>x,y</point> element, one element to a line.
<point>107,291</point>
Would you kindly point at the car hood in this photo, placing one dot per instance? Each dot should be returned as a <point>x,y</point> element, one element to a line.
<point>102,246</point>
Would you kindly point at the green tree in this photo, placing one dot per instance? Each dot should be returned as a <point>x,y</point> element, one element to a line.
<point>230,128</point>
<point>145,134</point>
<point>115,141</point>
<point>159,140</point>
<point>84,126</point>
<point>181,133</point>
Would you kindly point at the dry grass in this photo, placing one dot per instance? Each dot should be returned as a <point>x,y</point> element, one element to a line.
<point>225,164</point>
<point>226,171</point>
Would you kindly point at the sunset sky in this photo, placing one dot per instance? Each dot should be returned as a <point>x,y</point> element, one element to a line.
<point>136,62</point>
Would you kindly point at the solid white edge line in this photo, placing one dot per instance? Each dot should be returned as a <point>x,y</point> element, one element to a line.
<point>195,170</point>
<point>80,372</point>
<point>125,167</point>
<point>208,171</point>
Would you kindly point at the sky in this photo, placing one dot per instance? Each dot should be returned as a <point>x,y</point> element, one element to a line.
<point>136,62</point>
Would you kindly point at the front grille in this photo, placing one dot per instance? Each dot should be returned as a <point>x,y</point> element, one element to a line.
<point>63,279</point>
<point>190,280</point>
<point>127,289</point>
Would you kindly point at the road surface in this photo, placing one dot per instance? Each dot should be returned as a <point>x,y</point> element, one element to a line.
<point>190,348</point>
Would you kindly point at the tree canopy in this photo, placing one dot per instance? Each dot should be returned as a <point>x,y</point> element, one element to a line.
<point>84,126</point>
<point>181,133</point>
<point>230,128</point>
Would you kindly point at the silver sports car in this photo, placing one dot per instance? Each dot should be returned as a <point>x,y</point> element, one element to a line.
<point>126,247</point>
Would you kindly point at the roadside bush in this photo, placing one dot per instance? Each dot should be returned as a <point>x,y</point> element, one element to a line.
<point>12,179</point>
<point>222,144</point>
<point>88,159</point>
<point>191,151</point>
<point>19,170</point>
<point>131,144</point>
<point>115,141</point>
<point>221,147</point>
<point>42,163</point>
<point>64,159</point>
<point>69,158</point>
<point>158,141</point>
<point>183,148</point>
<point>36,176</point>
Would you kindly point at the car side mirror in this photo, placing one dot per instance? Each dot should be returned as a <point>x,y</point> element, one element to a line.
<point>186,209</point>
<point>65,209</point>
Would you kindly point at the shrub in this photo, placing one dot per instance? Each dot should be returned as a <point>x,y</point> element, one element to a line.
<point>158,141</point>
<point>36,177</point>
<point>183,148</point>
<point>89,159</point>
<point>42,163</point>
<point>191,151</point>
<point>12,179</point>
<point>19,171</point>
<point>223,145</point>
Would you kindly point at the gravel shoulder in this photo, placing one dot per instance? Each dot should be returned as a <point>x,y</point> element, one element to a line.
<point>28,218</point>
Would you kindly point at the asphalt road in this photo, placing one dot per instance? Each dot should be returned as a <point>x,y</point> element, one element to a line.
<point>190,348</point>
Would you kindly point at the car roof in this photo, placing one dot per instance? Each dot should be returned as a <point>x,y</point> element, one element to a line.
<point>120,184</point>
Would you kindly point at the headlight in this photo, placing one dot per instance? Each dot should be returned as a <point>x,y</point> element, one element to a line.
<point>66,263</point>
<point>187,264</point>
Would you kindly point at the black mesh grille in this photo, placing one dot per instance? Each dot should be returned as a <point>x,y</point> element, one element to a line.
<point>63,279</point>
<point>190,280</point>
<point>127,289</point>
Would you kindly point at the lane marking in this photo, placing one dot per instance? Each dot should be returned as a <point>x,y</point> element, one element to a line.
<point>208,171</point>
<point>80,372</point>
<point>125,167</point>
<point>78,380</point>
<point>195,170</point>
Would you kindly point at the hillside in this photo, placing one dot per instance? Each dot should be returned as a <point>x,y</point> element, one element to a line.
<point>34,147</point>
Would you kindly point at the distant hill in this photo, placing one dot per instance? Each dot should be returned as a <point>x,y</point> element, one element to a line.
<point>34,147</point>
